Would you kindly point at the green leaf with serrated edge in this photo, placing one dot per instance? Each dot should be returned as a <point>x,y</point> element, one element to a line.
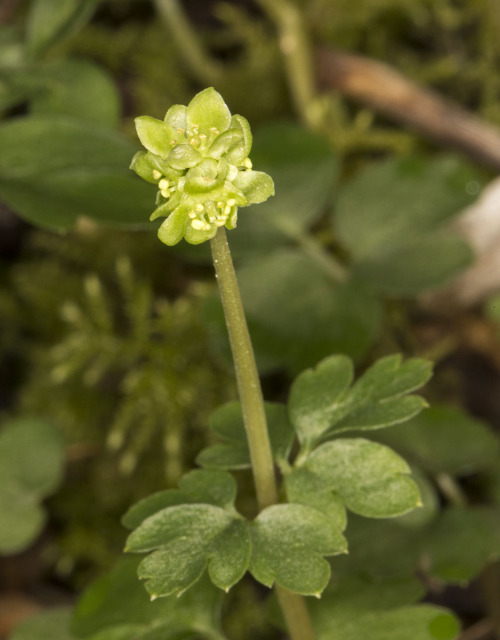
<point>289,542</point>
<point>461,543</point>
<point>426,440</point>
<point>188,538</point>
<point>304,487</point>
<point>117,602</point>
<point>213,487</point>
<point>207,110</point>
<point>316,396</point>
<point>371,479</point>
<point>227,423</point>
<point>46,625</point>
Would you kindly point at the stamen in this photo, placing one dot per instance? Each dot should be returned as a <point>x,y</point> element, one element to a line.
<point>163,184</point>
<point>156,174</point>
<point>197,224</point>
<point>192,214</point>
<point>231,202</point>
<point>247,163</point>
<point>199,207</point>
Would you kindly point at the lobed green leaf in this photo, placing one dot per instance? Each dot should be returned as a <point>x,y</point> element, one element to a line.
<point>322,404</point>
<point>289,542</point>
<point>371,479</point>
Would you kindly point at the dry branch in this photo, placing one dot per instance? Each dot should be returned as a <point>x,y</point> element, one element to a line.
<point>387,91</point>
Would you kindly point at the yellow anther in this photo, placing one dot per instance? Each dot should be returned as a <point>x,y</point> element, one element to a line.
<point>173,143</point>
<point>156,174</point>
<point>203,137</point>
<point>192,214</point>
<point>195,127</point>
<point>165,193</point>
<point>247,163</point>
<point>227,210</point>
<point>193,142</point>
<point>163,184</point>
<point>214,131</point>
<point>231,202</point>
<point>220,205</point>
<point>199,207</point>
<point>197,224</point>
<point>180,131</point>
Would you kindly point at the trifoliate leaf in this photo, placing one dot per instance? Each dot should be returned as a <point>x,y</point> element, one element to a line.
<point>187,539</point>
<point>321,403</point>
<point>227,423</point>
<point>289,542</point>
<point>371,479</point>
<point>213,487</point>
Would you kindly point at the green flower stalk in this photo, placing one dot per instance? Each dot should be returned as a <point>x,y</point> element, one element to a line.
<point>198,158</point>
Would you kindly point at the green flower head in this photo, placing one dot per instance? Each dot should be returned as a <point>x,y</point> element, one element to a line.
<point>198,157</point>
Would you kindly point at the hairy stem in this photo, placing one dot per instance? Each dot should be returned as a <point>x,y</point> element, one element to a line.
<point>293,606</point>
<point>201,64</point>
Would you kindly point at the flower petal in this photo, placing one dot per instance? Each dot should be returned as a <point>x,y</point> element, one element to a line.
<point>208,110</point>
<point>155,135</point>
<point>173,228</point>
<point>257,186</point>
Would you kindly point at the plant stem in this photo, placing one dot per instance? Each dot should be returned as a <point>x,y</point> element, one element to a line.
<point>292,605</point>
<point>202,65</point>
<point>294,44</point>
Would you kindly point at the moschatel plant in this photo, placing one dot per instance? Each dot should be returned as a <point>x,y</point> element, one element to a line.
<point>198,157</point>
<point>309,461</point>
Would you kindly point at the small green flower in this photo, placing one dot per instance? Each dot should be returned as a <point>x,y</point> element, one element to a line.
<point>198,157</point>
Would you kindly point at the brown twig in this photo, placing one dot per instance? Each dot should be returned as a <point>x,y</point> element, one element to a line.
<point>479,631</point>
<point>7,9</point>
<point>384,89</point>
